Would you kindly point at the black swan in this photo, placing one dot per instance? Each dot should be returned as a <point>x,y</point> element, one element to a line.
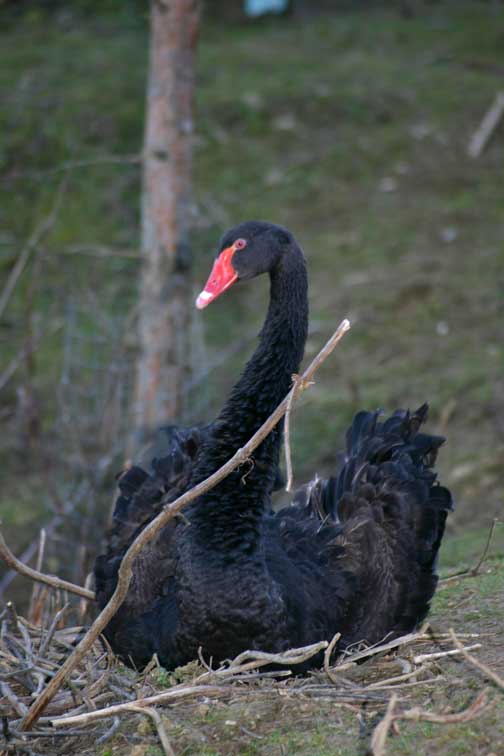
<point>354,554</point>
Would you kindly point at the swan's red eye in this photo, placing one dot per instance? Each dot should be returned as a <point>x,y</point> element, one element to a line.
<point>240,243</point>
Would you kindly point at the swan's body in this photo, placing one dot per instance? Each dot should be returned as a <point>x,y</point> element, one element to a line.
<point>354,554</point>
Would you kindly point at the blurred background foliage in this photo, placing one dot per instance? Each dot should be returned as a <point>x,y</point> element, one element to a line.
<point>348,123</point>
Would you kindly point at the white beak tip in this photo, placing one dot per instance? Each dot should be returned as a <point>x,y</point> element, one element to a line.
<point>203,299</point>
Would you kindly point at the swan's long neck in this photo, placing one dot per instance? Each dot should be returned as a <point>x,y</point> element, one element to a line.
<point>229,516</point>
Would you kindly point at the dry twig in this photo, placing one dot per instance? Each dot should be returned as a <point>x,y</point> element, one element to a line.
<point>487,126</point>
<point>70,165</point>
<point>167,513</point>
<point>189,691</point>
<point>327,658</point>
<point>53,580</point>
<point>380,648</point>
<point>29,552</point>
<point>30,245</point>
<point>116,723</point>
<point>156,718</point>
<point>168,696</point>
<point>14,701</point>
<point>299,385</point>
<point>416,714</point>
<point>497,679</point>
<point>45,642</point>
<point>261,658</point>
<point>473,571</point>
<point>379,736</point>
<point>30,347</point>
<point>397,679</point>
<point>35,601</point>
<point>440,654</point>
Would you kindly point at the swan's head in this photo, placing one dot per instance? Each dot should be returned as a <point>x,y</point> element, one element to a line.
<point>246,251</point>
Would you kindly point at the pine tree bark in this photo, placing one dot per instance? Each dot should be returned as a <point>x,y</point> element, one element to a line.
<point>166,204</point>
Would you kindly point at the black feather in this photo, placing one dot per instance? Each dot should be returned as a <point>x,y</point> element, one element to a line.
<point>354,554</point>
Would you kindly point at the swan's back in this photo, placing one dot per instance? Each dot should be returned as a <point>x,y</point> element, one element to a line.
<point>354,554</point>
<point>373,531</point>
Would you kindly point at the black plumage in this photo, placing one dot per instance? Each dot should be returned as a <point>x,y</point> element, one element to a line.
<point>355,553</point>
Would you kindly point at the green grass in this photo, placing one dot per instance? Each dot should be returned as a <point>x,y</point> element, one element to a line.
<point>302,128</point>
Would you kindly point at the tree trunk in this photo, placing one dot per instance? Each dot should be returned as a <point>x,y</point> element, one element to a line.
<point>165,281</point>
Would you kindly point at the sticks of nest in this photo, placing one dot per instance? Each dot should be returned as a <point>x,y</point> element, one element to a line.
<point>97,693</point>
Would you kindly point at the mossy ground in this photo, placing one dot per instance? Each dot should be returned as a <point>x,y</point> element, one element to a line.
<point>351,129</point>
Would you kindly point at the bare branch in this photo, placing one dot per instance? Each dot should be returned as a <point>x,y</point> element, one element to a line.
<point>440,654</point>
<point>53,580</point>
<point>32,609</point>
<point>155,716</point>
<point>398,679</point>
<point>497,679</point>
<point>167,513</point>
<point>173,694</point>
<point>32,347</point>
<point>70,165</point>
<point>380,733</point>
<point>487,126</point>
<point>46,641</point>
<point>14,701</point>
<point>298,387</point>
<point>416,714</point>
<point>260,658</point>
<point>97,250</point>
<point>380,648</point>
<point>64,509</point>
<point>327,658</point>
<point>473,571</point>
<point>42,229</point>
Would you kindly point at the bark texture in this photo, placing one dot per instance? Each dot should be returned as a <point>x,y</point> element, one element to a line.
<point>166,205</point>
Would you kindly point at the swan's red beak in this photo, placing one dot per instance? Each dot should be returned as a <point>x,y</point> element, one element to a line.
<point>223,276</point>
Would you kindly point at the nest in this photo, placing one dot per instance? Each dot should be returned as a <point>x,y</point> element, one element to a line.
<point>87,711</point>
<point>30,656</point>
